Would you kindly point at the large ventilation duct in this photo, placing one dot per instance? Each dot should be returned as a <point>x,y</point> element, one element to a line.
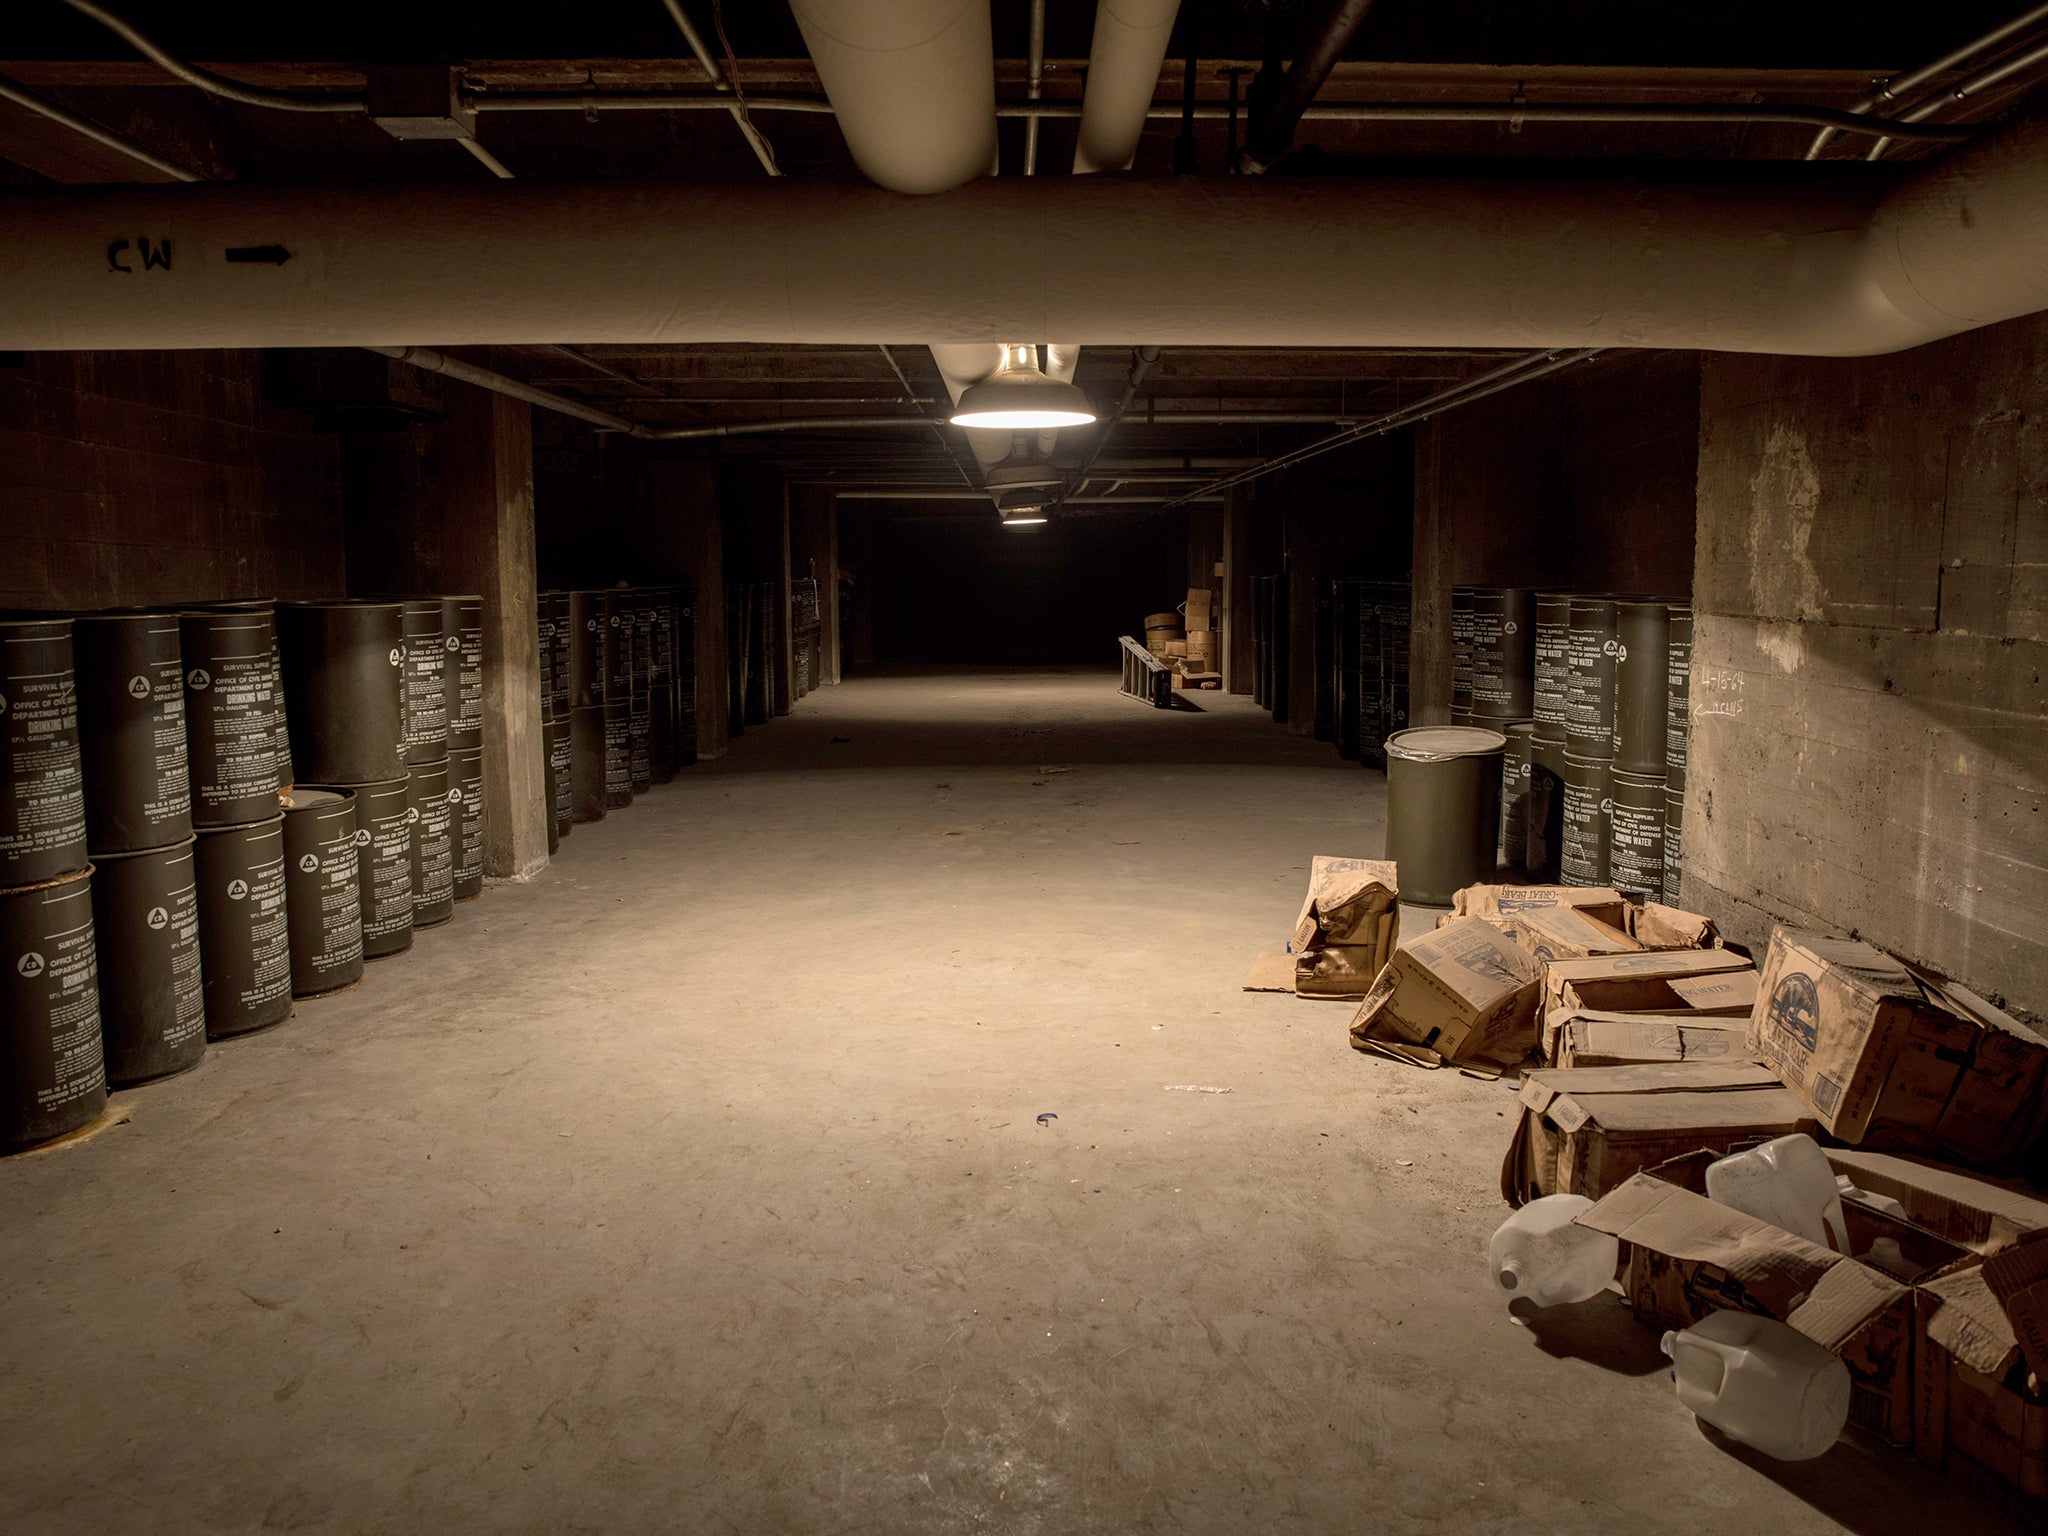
<point>1841,264</point>
<point>1123,76</point>
<point>913,83</point>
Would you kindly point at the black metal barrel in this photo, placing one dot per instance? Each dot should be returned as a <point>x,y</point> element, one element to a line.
<point>1674,846</point>
<point>466,775</point>
<point>1545,825</point>
<point>661,696</point>
<point>52,1079</point>
<point>280,732</point>
<point>145,911</point>
<point>1515,766</point>
<point>639,614</point>
<point>1642,686</point>
<point>131,731</point>
<point>245,950</point>
<point>1678,694</point>
<point>618,755</point>
<point>559,676</point>
<point>383,864</point>
<point>1583,851</point>
<point>344,679</point>
<point>42,784</point>
<point>231,714</point>
<point>323,889</point>
<point>462,688</point>
<point>588,647</point>
<point>1635,838</point>
<point>1551,663</point>
<point>430,807</point>
<point>618,645</point>
<point>426,701</point>
<point>1503,627</point>
<point>685,686</point>
<point>1589,692</point>
<point>1461,655</point>
<point>587,763</point>
<point>1443,809</point>
<point>561,775</point>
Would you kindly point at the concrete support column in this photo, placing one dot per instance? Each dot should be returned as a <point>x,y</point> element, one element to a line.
<point>814,551</point>
<point>1429,624</point>
<point>490,550</point>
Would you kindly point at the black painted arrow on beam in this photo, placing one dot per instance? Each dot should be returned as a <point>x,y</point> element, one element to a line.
<point>271,255</point>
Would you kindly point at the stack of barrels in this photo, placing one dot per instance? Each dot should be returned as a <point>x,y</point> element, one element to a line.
<point>1493,686</point>
<point>177,866</point>
<point>1593,780</point>
<point>618,671</point>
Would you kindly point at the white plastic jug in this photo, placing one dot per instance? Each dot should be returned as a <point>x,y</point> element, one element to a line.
<point>1786,1182</point>
<point>1762,1382</point>
<point>1540,1254</point>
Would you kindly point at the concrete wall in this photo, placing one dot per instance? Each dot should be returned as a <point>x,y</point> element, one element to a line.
<point>145,477</point>
<point>1869,752</point>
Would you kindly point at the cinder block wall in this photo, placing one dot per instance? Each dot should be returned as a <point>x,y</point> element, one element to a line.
<point>1870,720</point>
<point>148,477</point>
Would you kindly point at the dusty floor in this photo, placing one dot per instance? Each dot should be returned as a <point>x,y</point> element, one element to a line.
<point>701,1185</point>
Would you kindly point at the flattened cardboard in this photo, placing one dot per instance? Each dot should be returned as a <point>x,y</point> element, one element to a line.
<point>1656,926</point>
<point>1349,901</point>
<point>1463,991</point>
<point>1972,1212</point>
<point>1505,903</point>
<point>1632,983</point>
<point>1271,972</point>
<point>1565,933</point>
<point>1894,1060</point>
<point>1686,1256</point>
<point>1554,1020</point>
<point>1731,992</point>
<point>1587,1130</point>
<point>1594,1042</point>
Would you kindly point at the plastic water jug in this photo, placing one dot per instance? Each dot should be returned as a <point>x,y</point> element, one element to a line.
<point>1786,1182</point>
<point>1540,1254</point>
<point>1762,1382</point>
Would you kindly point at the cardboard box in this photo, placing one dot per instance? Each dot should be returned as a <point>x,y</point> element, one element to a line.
<point>1350,901</point>
<point>1730,992</point>
<point>1685,1256</point>
<point>1591,1039</point>
<point>1585,1130</point>
<point>1896,1060</point>
<point>1656,926</point>
<point>1338,971</point>
<point>1502,904</point>
<point>1632,983</point>
<point>1973,1213</point>
<point>1977,1413</point>
<point>1565,933</point>
<point>1460,993</point>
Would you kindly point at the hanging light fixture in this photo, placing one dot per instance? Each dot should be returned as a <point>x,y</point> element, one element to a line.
<point>1019,397</point>
<point>1023,509</point>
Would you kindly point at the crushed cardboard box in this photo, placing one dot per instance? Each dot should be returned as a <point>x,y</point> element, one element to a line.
<point>1656,926</point>
<point>1460,993</point>
<point>1685,1256</point>
<point>1347,926</point>
<point>1894,1060</point>
<point>1730,992</point>
<point>1979,1398</point>
<point>1632,983</point>
<point>1503,905</point>
<point>1585,1130</point>
<point>1974,1213</point>
<point>1589,1038</point>
<point>1565,933</point>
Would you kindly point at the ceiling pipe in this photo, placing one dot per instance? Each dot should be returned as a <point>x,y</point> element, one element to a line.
<point>1851,263</point>
<point>106,138</point>
<point>715,74</point>
<point>1124,59</point>
<point>1034,84</point>
<point>1976,84</point>
<point>1889,91</point>
<point>913,83</point>
<point>212,84</point>
<point>1271,136</point>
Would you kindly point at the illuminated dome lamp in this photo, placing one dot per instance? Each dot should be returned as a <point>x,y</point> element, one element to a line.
<point>1019,397</point>
<point>1023,509</point>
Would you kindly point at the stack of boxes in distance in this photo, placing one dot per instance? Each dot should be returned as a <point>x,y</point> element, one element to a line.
<point>1656,1051</point>
<point>1188,641</point>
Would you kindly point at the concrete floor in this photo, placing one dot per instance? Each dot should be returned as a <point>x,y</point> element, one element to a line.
<point>700,1186</point>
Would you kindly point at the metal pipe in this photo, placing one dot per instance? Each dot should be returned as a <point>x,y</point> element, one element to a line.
<point>598,365</point>
<point>489,161</point>
<point>431,361</point>
<point>1034,85</point>
<point>716,75</point>
<point>1889,90</point>
<point>1124,57</point>
<point>1796,113</point>
<point>212,84</point>
<point>1142,359</point>
<point>1273,135</point>
<point>1524,370</point>
<point>1976,84</point>
<point>106,138</point>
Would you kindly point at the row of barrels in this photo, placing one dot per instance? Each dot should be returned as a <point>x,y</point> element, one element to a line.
<point>1369,625</point>
<point>1592,691</point>
<point>209,811</point>
<point>618,696</point>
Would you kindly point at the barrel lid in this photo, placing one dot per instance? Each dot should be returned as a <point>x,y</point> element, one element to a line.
<point>301,798</point>
<point>1440,743</point>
